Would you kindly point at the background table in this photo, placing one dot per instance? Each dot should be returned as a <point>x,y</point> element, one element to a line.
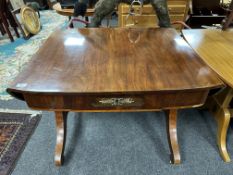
<point>216,48</point>
<point>109,70</point>
<point>70,12</point>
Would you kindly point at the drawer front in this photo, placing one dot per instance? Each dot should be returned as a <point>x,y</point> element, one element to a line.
<point>147,20</point>
<point>173,8</point>
<point>140,21</point>
<point>117,102</point>
<point>176,18</point>
<point>147,9</point>
<point>176,9</point>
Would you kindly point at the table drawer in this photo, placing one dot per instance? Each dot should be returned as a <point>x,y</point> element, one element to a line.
<point>179,7</point>
<point>140,21</point>
<point>147,20</point>
<point>176,18</point>
<point>116,102</point>
<point>173,8</point>
<point>176,9</point>
<point>147,9</point>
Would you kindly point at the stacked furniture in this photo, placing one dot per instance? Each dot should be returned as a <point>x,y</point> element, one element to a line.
<point>178,10</point>
<point>229,18</point>
<point>205,13</point>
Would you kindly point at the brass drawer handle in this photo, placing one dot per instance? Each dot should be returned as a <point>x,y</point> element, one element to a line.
<point>113,102</point>
<point>116,101</point>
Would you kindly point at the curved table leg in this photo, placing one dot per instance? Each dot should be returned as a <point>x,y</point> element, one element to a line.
<point>61,118</point>
<point>219,105</point>
<point>223,119</point>
<point>172,136</point>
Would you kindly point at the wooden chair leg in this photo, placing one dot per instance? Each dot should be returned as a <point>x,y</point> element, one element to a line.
<point>6,27</point>
<point>2,29</point>
<point>14,12</point>
<point>16,32</point>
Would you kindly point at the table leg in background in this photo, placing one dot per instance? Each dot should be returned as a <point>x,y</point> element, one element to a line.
<point>220,108</point>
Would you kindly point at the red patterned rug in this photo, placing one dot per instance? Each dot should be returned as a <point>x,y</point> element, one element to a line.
<point>15,131</point>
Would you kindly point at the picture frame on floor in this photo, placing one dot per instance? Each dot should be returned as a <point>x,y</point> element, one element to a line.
<point>16,15</point>
<point>16,6</point>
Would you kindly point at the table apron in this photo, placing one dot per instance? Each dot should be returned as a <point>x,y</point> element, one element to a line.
<point>103,102</point>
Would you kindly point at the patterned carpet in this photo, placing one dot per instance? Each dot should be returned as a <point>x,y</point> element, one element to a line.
<point>14,56</point>
<point>15,130</point>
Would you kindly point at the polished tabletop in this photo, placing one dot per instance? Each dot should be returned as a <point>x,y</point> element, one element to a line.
<point>105,60</point>
<point>215,47</point>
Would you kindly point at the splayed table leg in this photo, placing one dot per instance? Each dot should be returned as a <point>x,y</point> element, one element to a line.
<point>222,114</point>
<point>61,118</point>
<point>172,136</point>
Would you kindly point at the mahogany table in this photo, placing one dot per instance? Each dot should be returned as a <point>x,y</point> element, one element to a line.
<point>110,70</point>
<point>215,48</point>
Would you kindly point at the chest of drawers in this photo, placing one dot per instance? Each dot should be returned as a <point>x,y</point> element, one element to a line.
<point>178,10</point>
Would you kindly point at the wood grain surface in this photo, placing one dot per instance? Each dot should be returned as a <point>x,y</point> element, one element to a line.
<point>215,47</point>
<point>105,60</point>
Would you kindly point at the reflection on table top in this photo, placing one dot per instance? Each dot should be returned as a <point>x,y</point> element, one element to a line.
<point>215,47</point>
<point>102,60</point>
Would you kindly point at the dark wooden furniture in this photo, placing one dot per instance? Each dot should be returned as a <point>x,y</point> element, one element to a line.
<point>178,10</point>
<point>67,4</point>
<point>7,20</point>
<point>215,48</point>
<point>2,29</point>
<point>115,70</point>
<point>205,13</point>
<point>69,12</point>
<point>229,17</point>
